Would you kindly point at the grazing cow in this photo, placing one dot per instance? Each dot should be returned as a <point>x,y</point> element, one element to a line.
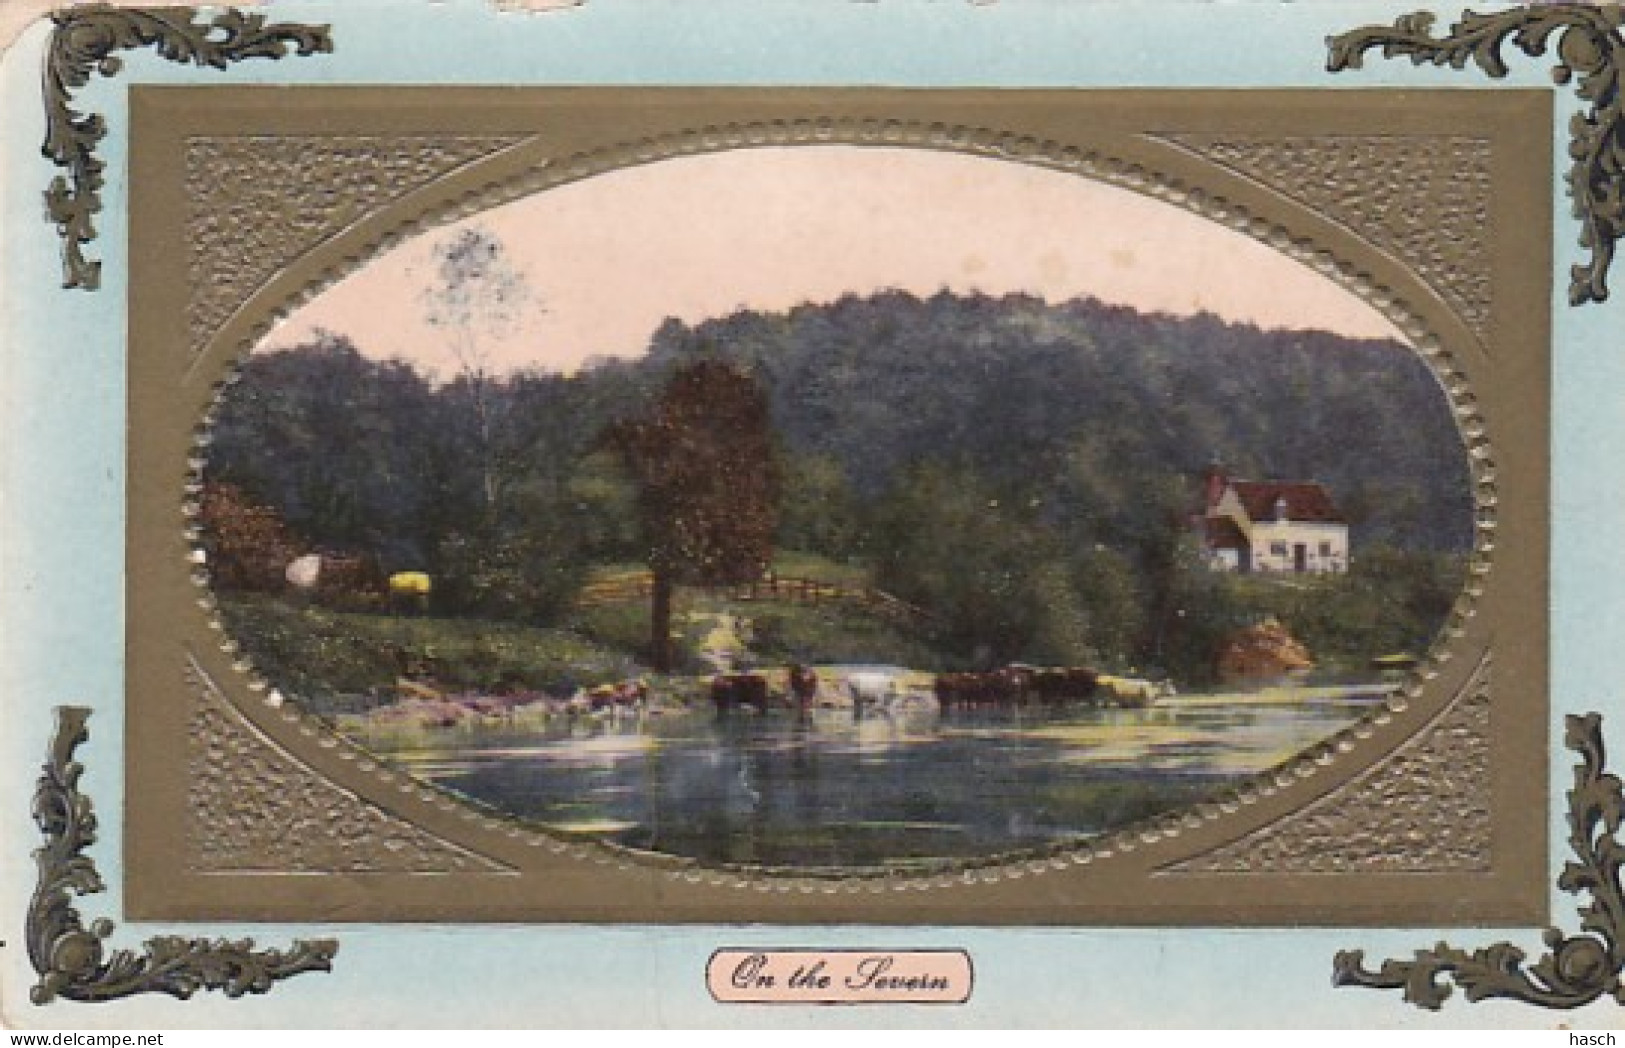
<point>304,572</point>
<point>803,684</point>
<point>733,691</point>
<point>1056,685</point>
<point>410,589</point>
<point>871,688</point>
<point>1017,684</point>
<point>346,581</point>
<point>1002,687</point>
<point>959,690</point>
<point>1133,692</point>
<point>627,694</point>
<point>350,582</point>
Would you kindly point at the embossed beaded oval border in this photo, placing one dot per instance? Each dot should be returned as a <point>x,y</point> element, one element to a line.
<point>974,141</point>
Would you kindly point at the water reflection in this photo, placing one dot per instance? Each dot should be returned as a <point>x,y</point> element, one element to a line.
<point>826,790</point>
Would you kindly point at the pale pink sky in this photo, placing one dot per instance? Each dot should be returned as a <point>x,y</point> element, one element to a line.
<point>768,228</point>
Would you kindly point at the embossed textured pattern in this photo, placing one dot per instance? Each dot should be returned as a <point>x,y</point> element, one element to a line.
<point>1426,809</point>
<point>257,203</point>
<point>252,806</point>
<point>1423,200</point>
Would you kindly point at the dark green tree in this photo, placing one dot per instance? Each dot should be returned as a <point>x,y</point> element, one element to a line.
<point>1196,609</point>
<point>820,513</point>
<point>342,447</point>
<point>991,576</point>
<point>1113,607</point>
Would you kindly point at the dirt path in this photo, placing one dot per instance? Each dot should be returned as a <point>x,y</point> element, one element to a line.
<point>724,645</point>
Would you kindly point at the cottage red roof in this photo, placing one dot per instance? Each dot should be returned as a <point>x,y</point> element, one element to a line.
<point>1305,500</point>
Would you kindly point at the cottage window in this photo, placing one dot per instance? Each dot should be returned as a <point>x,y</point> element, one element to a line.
<point>1325,549</point>
<point>1277,549</point>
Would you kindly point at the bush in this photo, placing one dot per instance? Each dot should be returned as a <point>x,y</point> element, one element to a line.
<point>1391,601</point>
<point>520,577</point>
<point>248,546</point>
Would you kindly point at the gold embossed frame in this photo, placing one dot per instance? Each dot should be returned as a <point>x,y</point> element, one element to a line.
<point>1433,208</point>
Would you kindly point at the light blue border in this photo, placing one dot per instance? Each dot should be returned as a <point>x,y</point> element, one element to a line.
<point>61,475</point>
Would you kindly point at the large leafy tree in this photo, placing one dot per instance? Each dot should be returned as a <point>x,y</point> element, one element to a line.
<point>706,467</point>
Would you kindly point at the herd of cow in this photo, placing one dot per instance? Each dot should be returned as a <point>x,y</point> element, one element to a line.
<point>1009,687</point>
<point>1012,686</point>
<point>351,582</point>
<point>1015,685</point>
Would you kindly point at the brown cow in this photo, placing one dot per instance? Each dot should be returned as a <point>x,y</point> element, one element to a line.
<point>1015,685</point>
<point>733,691</point>
<point>803,684</point>
<point>1061,684</point>
<point>1002,687</point>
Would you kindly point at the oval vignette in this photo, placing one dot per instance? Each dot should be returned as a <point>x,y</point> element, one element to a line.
<point>732,507</point>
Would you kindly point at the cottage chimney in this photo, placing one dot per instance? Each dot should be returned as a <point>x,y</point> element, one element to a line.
<point>1280,507</point>
<point>1214,481</point>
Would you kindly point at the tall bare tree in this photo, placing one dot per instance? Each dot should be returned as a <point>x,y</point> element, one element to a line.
<point>477,298</point>
<point>708,475</point>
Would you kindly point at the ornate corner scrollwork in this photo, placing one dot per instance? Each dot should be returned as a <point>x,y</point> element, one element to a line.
<point>83,43</point>
<point>69,957</point>
<point>1589,44</point>
<point>1578,969</point>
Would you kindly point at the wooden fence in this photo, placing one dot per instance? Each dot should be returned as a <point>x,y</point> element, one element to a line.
<point>773,587</point>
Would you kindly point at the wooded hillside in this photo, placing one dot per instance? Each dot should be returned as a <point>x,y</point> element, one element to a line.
<point>1023,470</point>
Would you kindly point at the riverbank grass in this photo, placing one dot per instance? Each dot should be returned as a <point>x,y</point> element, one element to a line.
<point>348,662</point>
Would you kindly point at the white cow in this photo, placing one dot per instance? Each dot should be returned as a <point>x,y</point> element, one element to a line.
<point>1132,692</point>
<point>887,689</point>
<point>871,688</point>
<point>304,572</point>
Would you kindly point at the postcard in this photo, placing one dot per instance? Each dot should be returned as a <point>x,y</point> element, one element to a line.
<point>980,513</point>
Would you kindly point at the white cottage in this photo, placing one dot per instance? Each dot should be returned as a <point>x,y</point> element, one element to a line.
<point>1271,525</point>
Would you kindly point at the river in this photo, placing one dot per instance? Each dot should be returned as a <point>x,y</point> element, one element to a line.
<point>831,792</point>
